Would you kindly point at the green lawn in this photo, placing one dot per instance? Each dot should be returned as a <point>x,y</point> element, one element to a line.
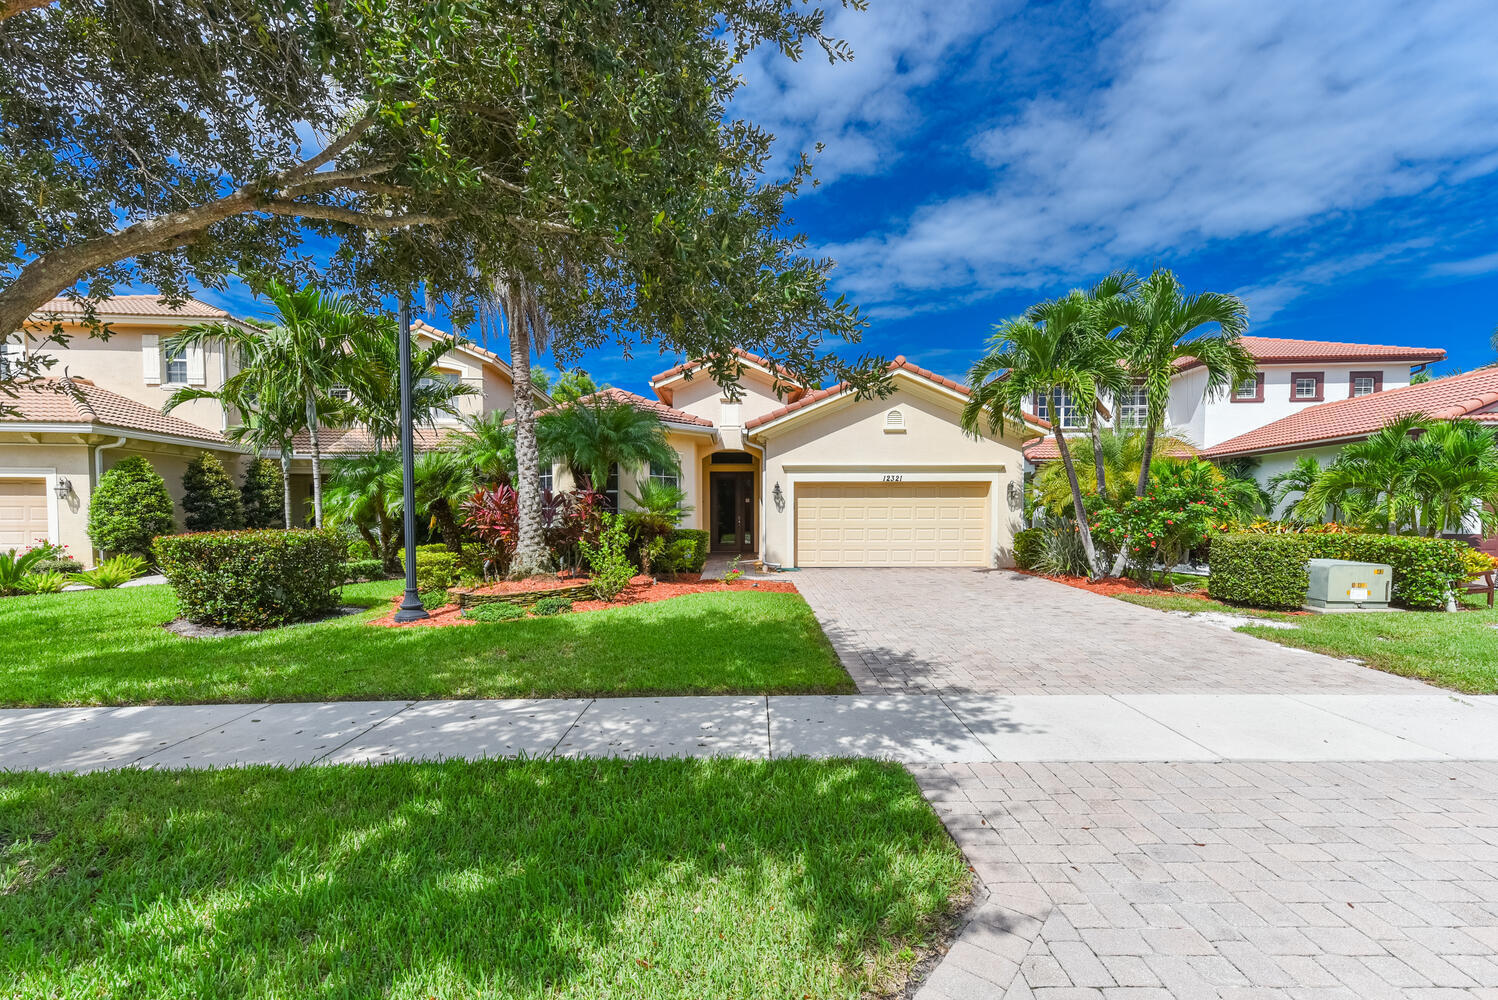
<point>515,879</point>
<point>108,648</point>
<point>1456,650</point>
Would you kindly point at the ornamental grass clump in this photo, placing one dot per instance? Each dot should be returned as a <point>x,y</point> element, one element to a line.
<point>254,579</point>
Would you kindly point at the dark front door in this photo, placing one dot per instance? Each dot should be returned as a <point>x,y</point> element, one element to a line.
<point>732,511</point>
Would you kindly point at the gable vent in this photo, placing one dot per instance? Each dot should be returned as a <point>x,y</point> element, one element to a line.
<point>894,422</point>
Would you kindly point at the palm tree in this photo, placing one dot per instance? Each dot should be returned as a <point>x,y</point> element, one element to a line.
<point>358,494</point>
<point>1116,285</point>
<point>487,444</point>
<point>513,306</point>
<point>443,481</point>
<point>293,363</point>
<point>1122,452</point>
<point>1297,479</point>
<point>370,370</point>
<point>594,436</point>
<point>1158,327</point>
<point>1051,351</point>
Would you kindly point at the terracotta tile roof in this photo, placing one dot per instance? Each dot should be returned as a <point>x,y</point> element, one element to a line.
<point>1045,450</point>
<point>337,441</point>
<point>752,358</point>
<point>899,364</point>
<point>49,401</point>
<point>134,305</point>
<point>1442,398</point>
<point>655,406</point>
<point>1278,350</point>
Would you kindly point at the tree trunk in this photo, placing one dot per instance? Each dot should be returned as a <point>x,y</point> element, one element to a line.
<point>1147,457</point>
<point>316,462</point>
<point>1078,507</point>
<point>286,485</point>
<point>530,556</point>
<point>1097,454</point>
<point>447,526</point>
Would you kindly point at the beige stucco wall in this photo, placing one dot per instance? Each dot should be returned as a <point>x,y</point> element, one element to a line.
<point>71,456</point>
<point>702,397</point>
<point>846,441</point>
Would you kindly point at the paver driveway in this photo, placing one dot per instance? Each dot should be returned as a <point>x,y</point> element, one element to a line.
<point>937,631</point>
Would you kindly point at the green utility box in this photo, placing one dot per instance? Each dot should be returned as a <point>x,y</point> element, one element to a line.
<point>1342,585</point>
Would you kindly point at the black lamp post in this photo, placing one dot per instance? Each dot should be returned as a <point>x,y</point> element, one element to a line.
<point>410,609</point>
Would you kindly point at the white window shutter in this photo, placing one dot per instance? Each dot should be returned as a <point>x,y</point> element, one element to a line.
<point>195,374</point>
<point>150,358</point>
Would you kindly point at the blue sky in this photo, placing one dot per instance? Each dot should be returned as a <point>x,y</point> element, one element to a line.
<point>1335,164</point>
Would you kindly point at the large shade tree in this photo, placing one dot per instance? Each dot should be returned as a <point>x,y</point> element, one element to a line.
<point>1160,329</point>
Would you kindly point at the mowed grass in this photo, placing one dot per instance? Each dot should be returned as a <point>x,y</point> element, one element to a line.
<point>515,879</point>
<point>1457,650</point>
<point>108,648</point>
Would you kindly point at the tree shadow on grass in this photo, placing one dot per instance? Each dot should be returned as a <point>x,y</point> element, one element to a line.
<point>731,643</point>
<point>518,879</point>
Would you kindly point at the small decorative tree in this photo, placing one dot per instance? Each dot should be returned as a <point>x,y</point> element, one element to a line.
<point>130,507</point>
<point>260,495</point>
<point>209,500</point>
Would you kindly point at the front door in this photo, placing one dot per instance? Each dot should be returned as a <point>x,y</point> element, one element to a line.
<point>732,511</point>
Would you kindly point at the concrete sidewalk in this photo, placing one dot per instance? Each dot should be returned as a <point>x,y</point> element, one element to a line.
<point>913,729</point>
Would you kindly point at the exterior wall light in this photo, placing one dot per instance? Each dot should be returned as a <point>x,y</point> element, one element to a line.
<point>63,489</point>
<point>778,497</point>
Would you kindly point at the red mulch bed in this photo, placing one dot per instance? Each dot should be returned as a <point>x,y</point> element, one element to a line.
<point>641,590</point>
<point>1118,585</point>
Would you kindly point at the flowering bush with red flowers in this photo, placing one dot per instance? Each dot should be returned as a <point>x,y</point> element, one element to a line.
<point>1158,530</point>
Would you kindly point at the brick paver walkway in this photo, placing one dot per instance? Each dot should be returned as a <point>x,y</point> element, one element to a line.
<point>1228,880</point>
<point>938,631</point>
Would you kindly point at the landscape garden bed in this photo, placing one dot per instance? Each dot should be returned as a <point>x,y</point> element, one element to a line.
<point>525,593</point>
<point>1113,586</point>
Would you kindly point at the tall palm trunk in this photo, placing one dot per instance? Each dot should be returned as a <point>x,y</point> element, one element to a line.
<point>530,546</point>
<point>316,461</point>
<point>1147,457</point>
<point>1078,507</point>
<point>1097,453</point>
<point>286,484</point>
<point>447,525</point>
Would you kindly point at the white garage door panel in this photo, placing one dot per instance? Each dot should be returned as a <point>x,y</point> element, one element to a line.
<point>23,512</point>
<point>892,524</point>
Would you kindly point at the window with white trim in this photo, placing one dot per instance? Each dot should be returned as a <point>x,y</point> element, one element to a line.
<point>1133,406</point>
<point>1072,416</point>
<point>1305,387</point>
<point>546,478</point>
<point>1364,385</point>
<point>340,393</point>
<point>1248,388</point>
<point>7,352</point>
<point>174,366</point>
<point>665,475</point>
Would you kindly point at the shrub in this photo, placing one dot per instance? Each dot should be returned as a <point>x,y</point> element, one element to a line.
<point>436,570</point>
<point>552,606</point>
<point>14,567</point>
<point>358,570</point>
<point>50,582</point>
<point>494,611</point>
<point>209,500</point>
<point>1476,562</point>
<point>1262,570</point>
<point>129,508</point>
<point>111,573</point>
<point>1427,571</point>
<point>1027,544</point>
<point>261,495</point>
<point>685,552</point>
<point>254,579</point>
<point>609,558</point>
<point>1165,525</point>
<point>1060,551</point>
<point>65,564</point>
<point>431,600</point>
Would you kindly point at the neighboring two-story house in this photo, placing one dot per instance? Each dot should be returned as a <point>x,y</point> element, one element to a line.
<point>60,443</point>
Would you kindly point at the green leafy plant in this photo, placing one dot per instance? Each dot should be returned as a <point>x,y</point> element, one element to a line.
<point>608,558</point>
<point>356,570</point>
<point>254,579</point>
<point>431,600</point>
<point>260,495</point>
<point>436,570</point>
<point>112,573</point>
<point>1059,550</point>
<point>130,507</point>
<point>658,509</point>
<point>1260,570</point>
<point>1428,572</point>
<point>1162,527</point>
<point>1027,544</point>
<point>50,582</point>
<point>210,501</point>
<point>547,606</point>
<point>494,611</point>
<point>685,552</point>
<point>733,572</point>
<point>14,566</point>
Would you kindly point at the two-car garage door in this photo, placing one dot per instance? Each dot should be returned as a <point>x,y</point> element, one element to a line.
<point>892,524</point>
<point>23,512</point>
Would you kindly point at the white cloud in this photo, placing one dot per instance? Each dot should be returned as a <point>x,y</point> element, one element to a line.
<point>1216,120</point>
<point>866,109</point>
<point>1469,268</point>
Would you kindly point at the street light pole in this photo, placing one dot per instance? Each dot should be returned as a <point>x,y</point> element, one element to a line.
<point>410,609</point>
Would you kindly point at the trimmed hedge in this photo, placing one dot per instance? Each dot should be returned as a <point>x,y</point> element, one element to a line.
<point>129,507</point>
<point>1027,547</point>
<point>254,579</point>
<point>1428,572</point>
<point>1265,571</point>
<point>359,570</point>
<point>685,552</point>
